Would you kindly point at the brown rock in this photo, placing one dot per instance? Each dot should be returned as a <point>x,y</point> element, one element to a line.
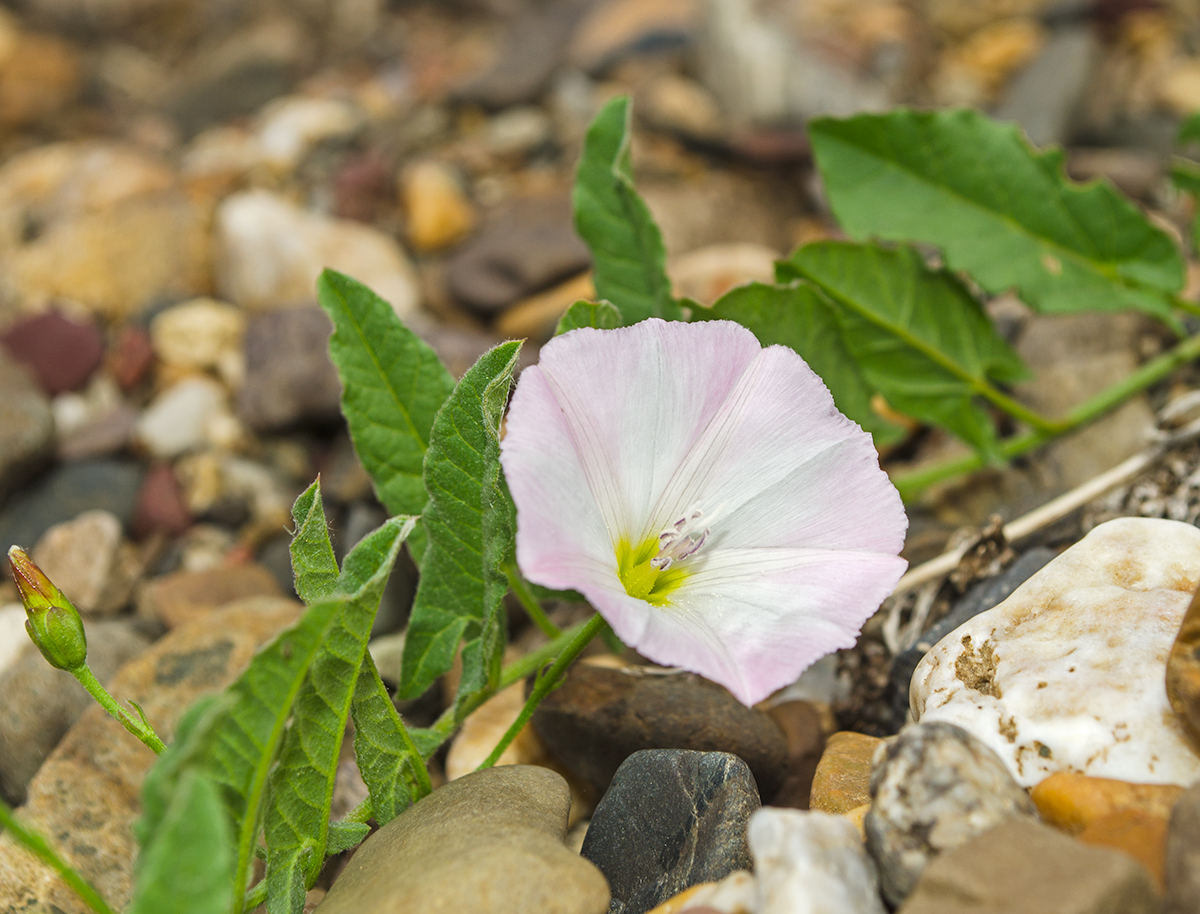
<point>843,776</point>
<point>188,596</point>
<point>1183,855</point>
<point>600,716</point>
<point>439,213</point>
<point>1139,834</point>
<point>1073,802</point>
<point>1022,867</point>
<point>801,726</point>
<point>160,504</point>
<point>1183,672</point>
<point>39,74</point>
<point>85,797</point>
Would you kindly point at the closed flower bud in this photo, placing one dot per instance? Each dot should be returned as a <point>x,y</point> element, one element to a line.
<point>53,623</point>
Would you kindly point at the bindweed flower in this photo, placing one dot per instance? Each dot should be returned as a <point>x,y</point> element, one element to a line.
<point>705,495</point>
<point>53,623</point>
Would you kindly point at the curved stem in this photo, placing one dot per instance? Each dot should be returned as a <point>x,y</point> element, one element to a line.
<point>139,728</point>
<point>546,683</point>
<point>1019,410</point>
<point>523,592</point>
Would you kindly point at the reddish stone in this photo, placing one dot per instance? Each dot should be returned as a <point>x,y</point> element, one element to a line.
<point>132,355</point>
<point>160,505</point>
<point>364,187</point>
<point>62,353</point>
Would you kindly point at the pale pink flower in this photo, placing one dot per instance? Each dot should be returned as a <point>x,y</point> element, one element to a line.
<point>705,495</point>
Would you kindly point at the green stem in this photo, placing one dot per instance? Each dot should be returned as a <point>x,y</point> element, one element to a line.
<point>523,592</point>
<point>134,725</point>
<point>1018,410</point>
<point>912,484</point>
<point>40,848</point>
<point>547,682</point>
<point>1183,304</point>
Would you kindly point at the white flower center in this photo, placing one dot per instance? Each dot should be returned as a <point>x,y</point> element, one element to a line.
<point>681,539</point>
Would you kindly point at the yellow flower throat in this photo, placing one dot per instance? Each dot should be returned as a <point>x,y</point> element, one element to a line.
<point>642,580</point>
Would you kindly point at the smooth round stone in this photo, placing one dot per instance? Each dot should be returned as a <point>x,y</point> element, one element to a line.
<point>1073,802</point>
<point>176,420</point>
<point>935,786</point>
<point>1068,673</point>
<point>489,843</point>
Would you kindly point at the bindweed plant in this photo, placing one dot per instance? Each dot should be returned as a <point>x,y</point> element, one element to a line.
<point>706,477</point>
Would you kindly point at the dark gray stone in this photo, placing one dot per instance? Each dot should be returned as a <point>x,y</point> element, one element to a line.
<point>1183,855</point>
<point>671,818</point>
<point>1044,98</point>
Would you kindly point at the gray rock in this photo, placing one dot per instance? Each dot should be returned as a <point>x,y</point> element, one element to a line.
<point>26,425</point>
<point>488,843</point>
<point>41,703</point>
<point>933,787</point>
<point>1183,855</point>
<point>1024,867</point>
<point>671,819</point>
<point>289,378</point>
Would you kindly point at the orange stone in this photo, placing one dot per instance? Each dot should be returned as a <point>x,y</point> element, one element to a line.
<point>1072,802</point>
<point>1141,835</point>
<point>1183,672</point>
<point>843,776</point>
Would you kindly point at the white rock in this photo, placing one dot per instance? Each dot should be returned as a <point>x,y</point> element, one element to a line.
<point>1068,673</point>
<point>269,253</point>
<point>737,893</point>
<point>293,125</point>
<point>811,863</point>
<point>13,638</point>
<point>177,419</point>
<point>200,334</point>
<point>84,559</point>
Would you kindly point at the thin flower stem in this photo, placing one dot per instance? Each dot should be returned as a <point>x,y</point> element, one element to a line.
<point>1019,411</point>
<point>912,484</point>
<point>139,728</point>
<point>546,683</point>
<point>523,592</point>
<point>40,848</point>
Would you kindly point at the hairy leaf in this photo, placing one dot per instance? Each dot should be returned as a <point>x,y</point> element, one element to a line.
<point>1002,212</point>
<point>392,387</point>
<point>917,335</point>
<point>314,567</point>
<point>301,785</point>
<point>626,245</point>
<point>602,314</point>
<point>799,315</point>
<point>345,835</point>
<point>460,589</point>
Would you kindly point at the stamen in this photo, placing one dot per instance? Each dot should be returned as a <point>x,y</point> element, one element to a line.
<point>680,540</point>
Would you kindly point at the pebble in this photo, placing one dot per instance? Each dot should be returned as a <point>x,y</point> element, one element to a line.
<point>811,863</point>
<point>40,74</point>
<point>1183,673</point>
<point>200,335</point>
<point>600,716</point>
<point>176,421</point>
<point>483,729</point>
<point>709,272</point>
<point>805,735</point>
<point>131,356</point>
<point>508,822</point>
<point>26,425</point>
<point>1023,867</point>
<point>13,639</point>
<point>269,252</point>
<point>934,787</point>
<point>1045,96</point>
<point>1100,708</point>
<point>842,781</point>
<point>101,435</point>
<point>737,893</point>
<point>88,788</point>
<point>62,353</point>
<point>289,377</point>
<point>41,703</point>
<point>290,127</point>
<point>670,819</point>
<point>88,559</point>
<point>517,132</point>
<point>1183,855</point>
<point>617,29</point>
<point>160,506</point>
<point>1139,834</point>
<point>182,597</point>
<point>439,213</point>
<point>1073,802</point>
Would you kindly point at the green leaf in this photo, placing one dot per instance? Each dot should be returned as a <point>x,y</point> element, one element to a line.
<point>1000,211</point>
<point>390,763</point>
<point>188,867</point>
<point>301,785</point>
<point>601,314</point>
<point>1189,130</point>
<point>801,316</point>
<point>626,245</point>
<point>392,387</point>
<point>345,835</point>
<point>918,336</point>
<point>313,564</point>
<point>460,590</point>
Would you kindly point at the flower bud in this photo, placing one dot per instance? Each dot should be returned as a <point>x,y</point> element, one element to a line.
<point>53,624</point>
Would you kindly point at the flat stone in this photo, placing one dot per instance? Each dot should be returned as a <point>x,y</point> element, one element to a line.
<point>935,786</point>
<point>671,818</point>
<point>600,716</point>
<point>842,781</point>
<point>88,560</point>
<point>1073,802</point>
<point>26,425</point>
<point>1183,673</point>
<point>1183,855</point>
<point>1117,598</point>
<point>41,703</point>
<point>183,597</point>
<point>509,823</point>
<point>1022,867</point>
<point>62,353</point>
<point>86,795</point>
<point>812,862</point>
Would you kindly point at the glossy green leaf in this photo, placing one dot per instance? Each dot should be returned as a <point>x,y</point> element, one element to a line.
<point>314,567</point>
<point>460,589</point>
<point>627,247</point>
<point>999,210</point>
<point>799,315</point>
<point>918,336</point>
<point>301,785</point>
<point>392,387</point>
<point>602,314</point>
